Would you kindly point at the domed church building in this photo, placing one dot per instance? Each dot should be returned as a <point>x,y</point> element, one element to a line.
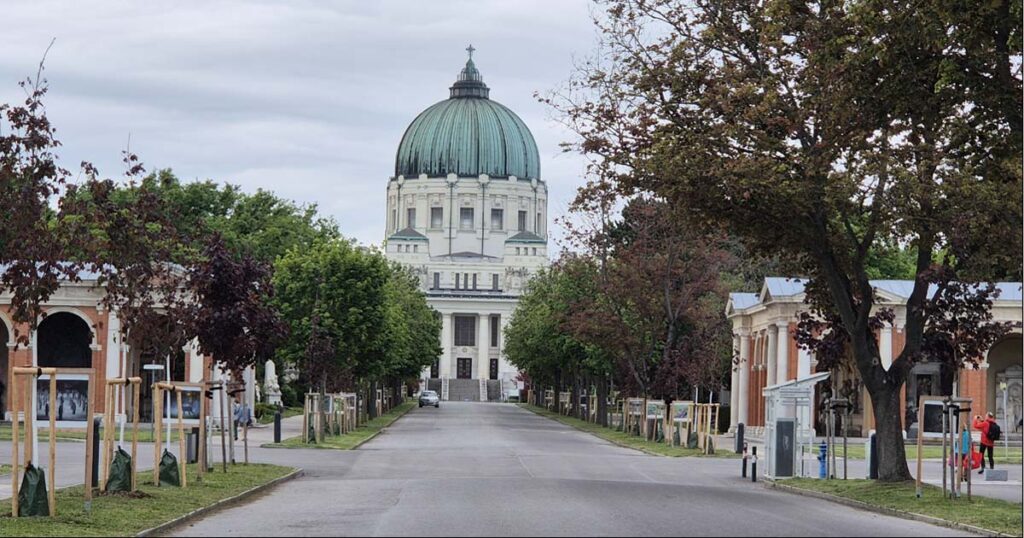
<point>467,211</point>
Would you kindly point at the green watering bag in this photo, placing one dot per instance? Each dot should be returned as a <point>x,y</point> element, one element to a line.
<point>120,478</point>
<point>169,474</point>
<point>32,499</point>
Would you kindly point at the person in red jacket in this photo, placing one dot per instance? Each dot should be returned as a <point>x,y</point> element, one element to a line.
<point>986,443</point>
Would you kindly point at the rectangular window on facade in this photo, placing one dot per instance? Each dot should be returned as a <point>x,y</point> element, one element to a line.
<point>410,217</point>
<point>465,330</point>
<point>495,329</point>
<point>494,282</point>
<point>536,227</point>
<point>437,281</point>
<point>474,281</point>
<point>434,368</point>
<point>394,219</point>
<point>437,218</point>
<point>522,221</point>
<point>497,219</point>
<point>466,218</point>
<point>456,281</point>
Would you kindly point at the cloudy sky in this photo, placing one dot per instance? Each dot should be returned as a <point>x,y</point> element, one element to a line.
<point>308,99</point>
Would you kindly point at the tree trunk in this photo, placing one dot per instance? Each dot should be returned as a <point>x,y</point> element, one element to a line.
<point>574,409</point>
<point>371,401</point>
<point>558,391</point>
<point>892,454</point>
<point>602,400</point>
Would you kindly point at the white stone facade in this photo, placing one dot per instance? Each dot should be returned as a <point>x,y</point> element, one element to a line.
<point>474,242</point>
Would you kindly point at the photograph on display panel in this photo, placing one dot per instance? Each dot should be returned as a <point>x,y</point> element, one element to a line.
<point>681,411</point>
<point>189,403</point>
<point>72,405</point>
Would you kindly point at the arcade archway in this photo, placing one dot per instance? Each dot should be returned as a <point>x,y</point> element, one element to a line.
<point>1004,366</point>
<point>64,340</point>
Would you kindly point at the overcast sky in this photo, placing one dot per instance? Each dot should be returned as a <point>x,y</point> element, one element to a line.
<point>308,99</point>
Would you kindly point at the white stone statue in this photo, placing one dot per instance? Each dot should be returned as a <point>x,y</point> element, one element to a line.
<point>272,388</point>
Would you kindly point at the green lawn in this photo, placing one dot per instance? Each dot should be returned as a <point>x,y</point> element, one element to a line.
<point>117,515</point>
<point>352,439</point>
<point>268,418</point>
<point>4,468</point>
<point>621,438</point>
<point>992,514</point>
<point>856,452</point>
<point>145,434</point>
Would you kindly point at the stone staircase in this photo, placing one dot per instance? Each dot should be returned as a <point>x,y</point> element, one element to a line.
<point>463,390</point>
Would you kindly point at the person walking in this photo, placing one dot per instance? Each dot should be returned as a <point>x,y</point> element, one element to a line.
<point>989,435</point>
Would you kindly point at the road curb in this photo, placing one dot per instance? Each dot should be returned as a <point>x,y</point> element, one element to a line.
<point>617,443</point>
<point>884,511</point>
<point>380,431</point>
<point>355,446</point>
<point>219,505</point>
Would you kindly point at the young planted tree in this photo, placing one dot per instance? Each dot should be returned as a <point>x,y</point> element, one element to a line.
<point>235,321</point>
<point>819,131</point>
<point>32,259</point>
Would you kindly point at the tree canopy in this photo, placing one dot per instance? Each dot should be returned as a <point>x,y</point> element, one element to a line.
<point>824,133</point>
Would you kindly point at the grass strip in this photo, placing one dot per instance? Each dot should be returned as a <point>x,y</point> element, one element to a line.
<point>5,469</point>
<point>145,434</point>
<point>353,438</point>
<point>288,412</point>
<point>622,438</point>
<point>124,515</point>
<point>986,513</point>
<point>931,452</point>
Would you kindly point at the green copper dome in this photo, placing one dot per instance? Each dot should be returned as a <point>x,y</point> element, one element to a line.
<point>468,134</point>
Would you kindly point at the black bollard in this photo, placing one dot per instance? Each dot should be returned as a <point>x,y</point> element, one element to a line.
<point>96,451</point>
<point>277,426</point>
<point>740,445</point>
<point>744,458</point>
<point>873,448</point>
<point>753,465</point>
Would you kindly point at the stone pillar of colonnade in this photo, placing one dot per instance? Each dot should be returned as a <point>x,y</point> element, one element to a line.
<point>773,347</point>
<point>885,345</point>
<point>744,375</point>
<point>444,366</point>
<point>734,389</point>
<point>483,346</point>
<point>782,353</point>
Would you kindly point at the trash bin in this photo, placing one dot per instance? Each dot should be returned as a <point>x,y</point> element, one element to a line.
<point>192,446</point>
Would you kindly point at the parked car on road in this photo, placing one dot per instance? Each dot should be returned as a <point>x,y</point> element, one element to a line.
<point>429,397</point>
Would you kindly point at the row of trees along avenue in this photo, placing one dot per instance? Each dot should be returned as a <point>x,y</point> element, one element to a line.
<point>818,134</point>
<point>250,277</point>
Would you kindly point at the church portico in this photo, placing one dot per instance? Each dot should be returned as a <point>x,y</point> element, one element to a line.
<point>467,213</point>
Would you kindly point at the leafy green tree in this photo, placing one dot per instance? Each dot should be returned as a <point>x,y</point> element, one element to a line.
<point>341,288</point>
<point>822,131</point>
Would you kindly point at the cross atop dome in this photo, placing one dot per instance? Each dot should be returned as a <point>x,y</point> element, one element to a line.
<point>470,50</point>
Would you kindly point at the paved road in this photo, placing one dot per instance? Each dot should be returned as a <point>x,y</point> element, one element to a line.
<point>490,469</point>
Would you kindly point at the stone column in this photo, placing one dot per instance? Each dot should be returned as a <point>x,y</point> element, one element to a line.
<point>782,354</point>
<point>734,389</point>
<point>803,363</point>
<point>444,367</point>
<point>773,348</point>
<point>483,346</point>
<point>744,398</point>
<point>885,346</point>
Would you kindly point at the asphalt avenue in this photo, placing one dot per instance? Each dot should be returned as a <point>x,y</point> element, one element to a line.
<point>497,470</point>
